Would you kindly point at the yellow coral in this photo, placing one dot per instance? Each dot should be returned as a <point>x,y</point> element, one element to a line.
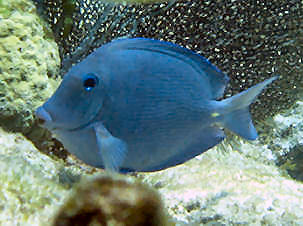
<point>28,64</point>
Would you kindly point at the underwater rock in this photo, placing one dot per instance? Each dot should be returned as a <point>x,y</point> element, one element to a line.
<point>107,201</point>
<point>228,188</point>
<point>222,187</point>
<point>287,145</point>
<point>29,57</point>
<point>30,188</point>
<point>33,186</point>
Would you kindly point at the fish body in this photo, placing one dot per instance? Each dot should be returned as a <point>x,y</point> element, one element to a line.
<point>145,105</point>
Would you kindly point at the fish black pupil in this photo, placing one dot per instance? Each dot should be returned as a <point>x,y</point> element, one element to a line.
<point>90,82</point>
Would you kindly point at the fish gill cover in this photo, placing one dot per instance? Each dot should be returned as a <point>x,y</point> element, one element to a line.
<point>249,40</point>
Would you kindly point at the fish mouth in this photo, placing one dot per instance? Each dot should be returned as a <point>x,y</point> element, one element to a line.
<point>45,120</point>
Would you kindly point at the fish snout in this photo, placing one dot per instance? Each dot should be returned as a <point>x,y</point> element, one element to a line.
<point>43,116</point>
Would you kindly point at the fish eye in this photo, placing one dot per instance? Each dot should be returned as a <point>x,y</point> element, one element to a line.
<point>90,81</point>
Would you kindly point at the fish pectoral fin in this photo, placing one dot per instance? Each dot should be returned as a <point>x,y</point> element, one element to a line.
<point>112,149</point>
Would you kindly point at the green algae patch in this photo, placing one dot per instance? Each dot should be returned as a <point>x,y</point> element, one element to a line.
<point>28,66</point>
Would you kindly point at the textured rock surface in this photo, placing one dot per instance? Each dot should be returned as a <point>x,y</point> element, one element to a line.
<point>228,188</point>
<point>288,140</point>
<point>30,188</point>
<point>223,187</point>
<point>33,186</point>
<point>28,58</point>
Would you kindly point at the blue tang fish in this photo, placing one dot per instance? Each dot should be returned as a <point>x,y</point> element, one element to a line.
<point>144,105</point>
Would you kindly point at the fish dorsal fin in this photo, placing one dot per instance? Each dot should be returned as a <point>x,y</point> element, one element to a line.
<point>216,78</point>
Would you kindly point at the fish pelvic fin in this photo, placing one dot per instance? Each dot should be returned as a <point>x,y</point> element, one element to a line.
<point>112,149</point>
<point>235,111</point>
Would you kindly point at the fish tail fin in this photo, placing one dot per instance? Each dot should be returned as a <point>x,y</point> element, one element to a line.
<point>236,116</point>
